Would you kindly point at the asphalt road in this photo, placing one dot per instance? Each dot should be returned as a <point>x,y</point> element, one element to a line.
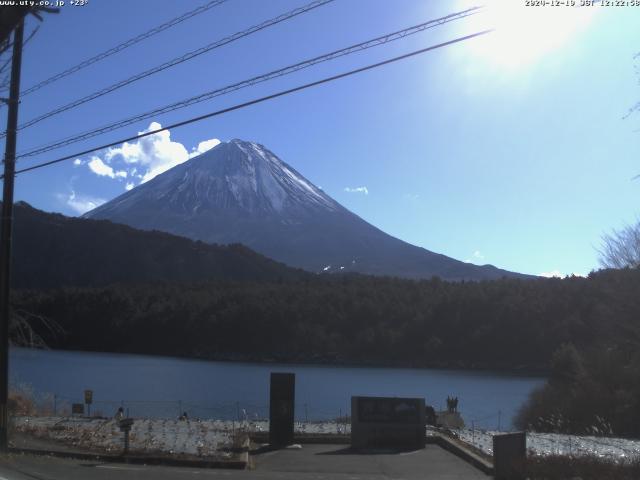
<point>312,462</point>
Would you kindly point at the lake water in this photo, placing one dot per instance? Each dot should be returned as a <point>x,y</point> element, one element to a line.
<point>165,386</point>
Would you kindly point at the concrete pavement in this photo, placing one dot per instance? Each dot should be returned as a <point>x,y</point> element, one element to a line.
<point>311,462</point>
<point>431,462</point>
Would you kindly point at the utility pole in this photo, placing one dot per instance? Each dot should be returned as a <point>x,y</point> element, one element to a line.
<point>5,230</point>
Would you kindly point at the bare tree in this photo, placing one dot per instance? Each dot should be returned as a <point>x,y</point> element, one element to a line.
<point>621,248</point>
<point>22,329</point>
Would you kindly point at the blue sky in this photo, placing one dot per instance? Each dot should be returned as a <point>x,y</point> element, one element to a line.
<point>510,150</point>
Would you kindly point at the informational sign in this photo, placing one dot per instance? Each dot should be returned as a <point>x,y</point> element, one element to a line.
<point>388,422</point>
<point>389,410</point>
<point>509,455</point>
<point>77,409</point>
<point>281,408</point>
<point>88,397</point>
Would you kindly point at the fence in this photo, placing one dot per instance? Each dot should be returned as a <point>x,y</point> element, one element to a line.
<point>58,405</point>
<point>239,411</point>
<point>310,418</point>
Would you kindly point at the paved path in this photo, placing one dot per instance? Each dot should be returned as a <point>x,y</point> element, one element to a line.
<point>338,461</point>
<point>312,462</point>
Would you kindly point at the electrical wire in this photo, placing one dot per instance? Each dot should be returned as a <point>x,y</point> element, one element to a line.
<point>176,61</point>
<point>124,45</point>
<point>256,101</point>
<point>4,83</point>
<point>253,81</point>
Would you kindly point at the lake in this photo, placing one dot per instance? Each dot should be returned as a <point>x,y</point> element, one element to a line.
<point>164,386</point>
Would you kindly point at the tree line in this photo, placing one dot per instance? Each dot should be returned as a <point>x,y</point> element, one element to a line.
<point>508,323</point>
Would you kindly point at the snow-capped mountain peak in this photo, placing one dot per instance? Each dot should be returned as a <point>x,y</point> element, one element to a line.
<point>278,181</point>
<point>239,175</point>
<point>241,192</point>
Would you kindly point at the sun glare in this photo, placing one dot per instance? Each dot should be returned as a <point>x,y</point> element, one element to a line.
<point>524,34</point>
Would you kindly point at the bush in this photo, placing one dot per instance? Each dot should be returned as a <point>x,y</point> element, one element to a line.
<point>596,392</point>
<point>21,403</point>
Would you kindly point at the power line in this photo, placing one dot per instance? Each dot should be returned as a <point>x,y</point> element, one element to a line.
<point>178,60</point>
<point>4,83</point>
<point>124,45</point>
<point>255,80</point>
<point>256,101</point>
<point>24,44</point>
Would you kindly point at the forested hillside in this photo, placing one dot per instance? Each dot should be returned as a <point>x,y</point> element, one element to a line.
<point>52,250</point>
<point>505,324</point>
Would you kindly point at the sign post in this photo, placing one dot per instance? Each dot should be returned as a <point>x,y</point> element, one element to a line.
<point>88,399</point>
<point>125,426</point>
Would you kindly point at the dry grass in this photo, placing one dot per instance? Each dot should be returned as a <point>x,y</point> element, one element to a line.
<point>21,404</point>
<point>24,401</point>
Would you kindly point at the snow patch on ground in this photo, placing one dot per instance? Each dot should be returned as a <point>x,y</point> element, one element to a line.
<point>203,438</point>
<point>210,438</point>
<point>559,444</point>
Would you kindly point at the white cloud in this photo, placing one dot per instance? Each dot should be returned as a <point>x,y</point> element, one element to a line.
<point>77,162</point>
<point>410,196</point>
<point>81,203</point>
<point>97,166</point>
<point>153,154</point>
<point>364,190</point>
<point>203,147</point>
<point>147,157</point>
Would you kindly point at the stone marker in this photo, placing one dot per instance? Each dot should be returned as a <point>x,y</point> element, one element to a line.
<point>387,422</point>
<point>281,408</point>
<point>509,455</point>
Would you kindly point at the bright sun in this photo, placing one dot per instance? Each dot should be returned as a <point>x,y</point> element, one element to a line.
<point>524,34</point>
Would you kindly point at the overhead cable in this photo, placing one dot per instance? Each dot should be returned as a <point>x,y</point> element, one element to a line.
<point>254,102</point>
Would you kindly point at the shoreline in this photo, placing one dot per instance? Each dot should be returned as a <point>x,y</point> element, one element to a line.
<point>518,372</point>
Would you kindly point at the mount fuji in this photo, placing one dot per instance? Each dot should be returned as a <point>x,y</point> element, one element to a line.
<point>240,192</point>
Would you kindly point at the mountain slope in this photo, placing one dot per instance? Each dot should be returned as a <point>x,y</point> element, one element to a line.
<point>51,250</point>
<point>241,192</point>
